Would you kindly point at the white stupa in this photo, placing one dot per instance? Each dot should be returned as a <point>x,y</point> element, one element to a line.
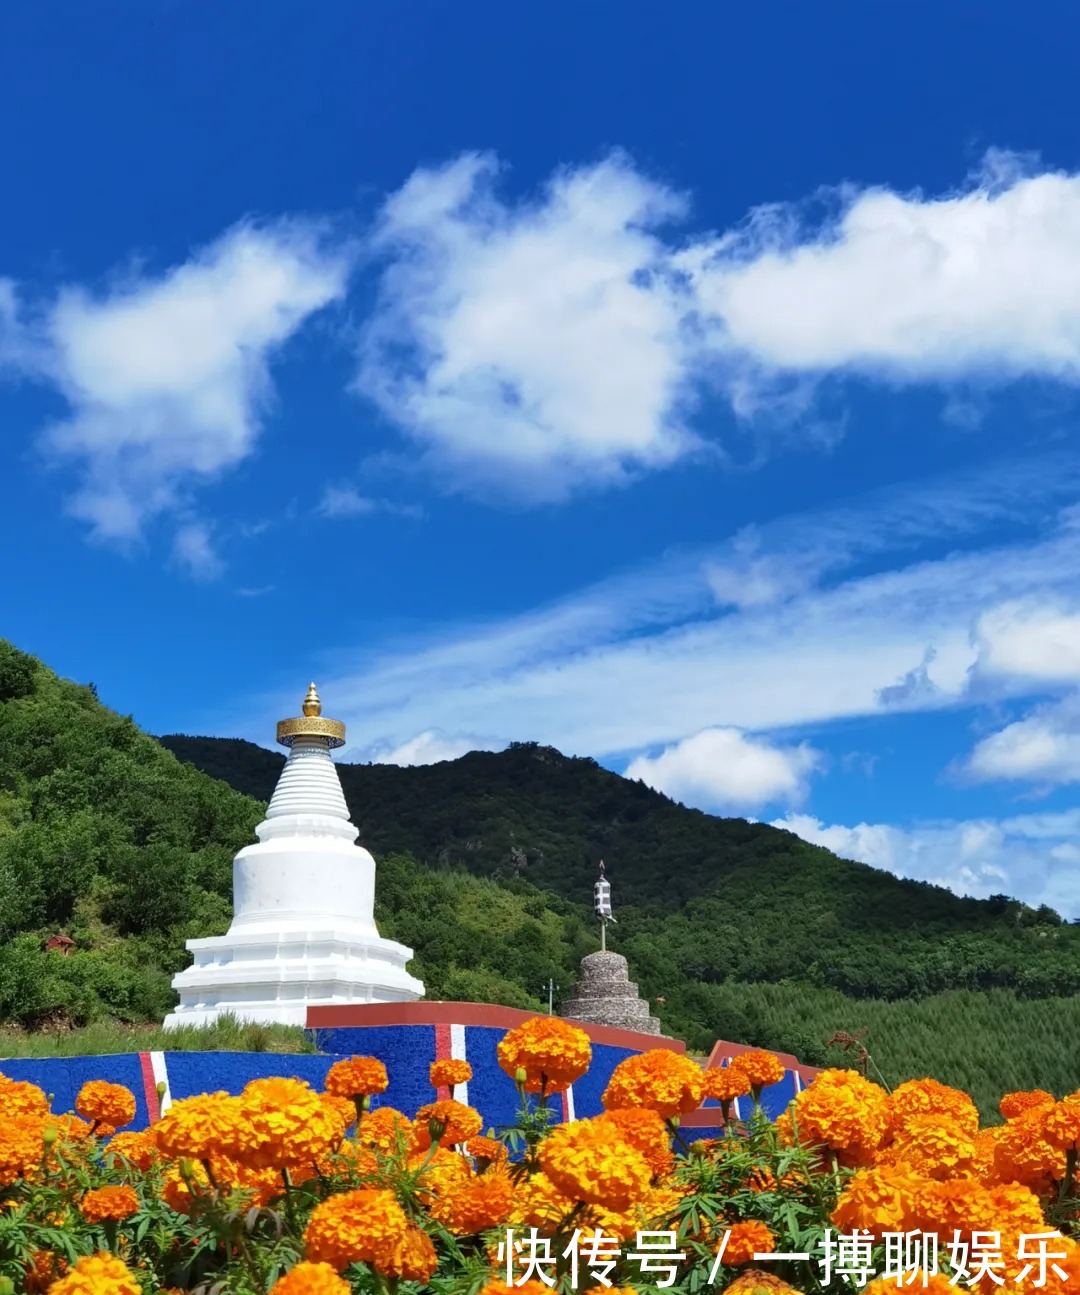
<point>303,932</point>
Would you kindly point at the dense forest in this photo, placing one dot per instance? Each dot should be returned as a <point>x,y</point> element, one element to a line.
<point>486,865</point>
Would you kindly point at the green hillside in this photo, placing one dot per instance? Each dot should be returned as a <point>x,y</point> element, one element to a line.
<point>486,865</point>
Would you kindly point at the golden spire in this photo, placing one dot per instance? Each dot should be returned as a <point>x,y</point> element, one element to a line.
<point>311,724</point>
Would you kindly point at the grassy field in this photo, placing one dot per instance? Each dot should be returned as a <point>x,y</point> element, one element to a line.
<point>106,1037</point>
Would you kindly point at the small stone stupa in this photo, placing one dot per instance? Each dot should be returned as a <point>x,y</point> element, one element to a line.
<point>303,932</point>
<point>605,994</point>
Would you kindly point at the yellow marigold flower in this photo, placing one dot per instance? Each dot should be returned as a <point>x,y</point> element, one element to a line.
<point>474,1205</point>
<point>311,1279</point>
<point>663,1081</point>
<point>724,1084</point>
<point>918,1097</point>
<point>646,1132</point>
<point>284,1122</point>
<point>357,1077</point>
<point>112,1203</point>
<point>875,1200</point>
<point>22,1147</point>
<point>984,1164</point>
<point>100,1274</point>
<point>199,1127</point>
<point>956,1205</point>
<point>1014,1104</point>
<point>43,1268</point>
<point>539,1204</point>
<point>1061,1125</point>
<point>17,1097</point>
<point>589,1160</point>
<point>846,1113</point>
<point>486,1151</point>
<point>1024,1155</point>
<point>138,1149</point>
<point>933,1283</point>
<point>346,1109</point>
<point>458,1122</point>
<point>103,1103</point>
<point>551,1052</point>
<point>933,1145</point>
<point>353,1227</point>
<point>448,1073</point>
<point>757,1282</point>
<point>444,1173</point>
<point>383,1128</point>
<point>761,1068</point>
<point>745,1239</point>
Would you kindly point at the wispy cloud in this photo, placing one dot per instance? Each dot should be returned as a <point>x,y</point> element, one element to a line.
<point>1033,857</point>
<point>341,501</point>
<point>194,551</point>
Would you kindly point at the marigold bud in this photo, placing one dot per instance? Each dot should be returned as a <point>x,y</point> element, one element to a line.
<point>436,1128</point>
<point>520,1076</point>
<point>48,1139</point>
<point>7,1287</point>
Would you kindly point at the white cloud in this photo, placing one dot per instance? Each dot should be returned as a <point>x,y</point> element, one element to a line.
<point>563,341</point>
<point>167,376</point>
<point>725,769</point>
<point>1032,639</point>
<point>347,501</point>
<point>1043,747</point>
<point>1032,857</point>
<point>194,552</point>
<point>546,342</point>
<point>430,747</point>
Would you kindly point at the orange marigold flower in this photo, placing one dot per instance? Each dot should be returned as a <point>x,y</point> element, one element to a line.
<point>411,1256</point>
<point>42,1269</point>
<point>100,1274</point>
<point>1061,1125</point>
<point>346,1109</point>
<point>956,1205</point>
<point>311,1279</point>
<point>551,1052</point>
<point>457,1121</point>
<point>70,1128</point>
<point>353,1227</point>
<point>138,1149</point>
<point>443,1173</point>
<point>663,1081</point>
<point>474,1205</point>
<point>724,1084</point>
<point>22,1147</point>
<point>357,1077</point>
<point>1014,1104</point>
<point>284,1122</point>
<point>845,1112</point>
<point>103,1103</point>
<point>1023,1153</point>
<point>875,1200</point>
<point>761,1068</point>
<point>448,1073</point>
<point>384,1128</point>
<point>109,1203</point>
<point>756,1282</point>
<point>199,1127</point>
<point>918,1097</point>
<point>933,1283</point>
<point>539,1204</point>
<point>17,1097</point>
<point>181,1183</point>
<point>746,1239</point>
<point>589,1160</point>
<point>486,1151</point>
<point>531,1287</point>
<point>646,1132</point>
<point>933,1145</point>
<point>1016,1207</point>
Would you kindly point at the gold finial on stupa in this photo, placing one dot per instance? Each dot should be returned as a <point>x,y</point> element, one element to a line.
<point>311,724</point>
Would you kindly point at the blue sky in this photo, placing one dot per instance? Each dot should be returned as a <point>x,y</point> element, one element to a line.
<point>695,390</point>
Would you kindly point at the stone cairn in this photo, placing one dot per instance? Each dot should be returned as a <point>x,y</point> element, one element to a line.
<point>605,994</point>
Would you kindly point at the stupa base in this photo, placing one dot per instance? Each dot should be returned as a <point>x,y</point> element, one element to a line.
<point>273,978</point>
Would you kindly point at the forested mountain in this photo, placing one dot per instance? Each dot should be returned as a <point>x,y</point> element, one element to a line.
<point>486,866</point>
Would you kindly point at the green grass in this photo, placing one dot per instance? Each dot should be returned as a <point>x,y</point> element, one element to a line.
<point>107,1037</point>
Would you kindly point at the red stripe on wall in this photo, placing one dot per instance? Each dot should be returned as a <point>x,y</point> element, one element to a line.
<point>442,1053</point>
<point>565,1106</point>
<point>153,1111</point>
